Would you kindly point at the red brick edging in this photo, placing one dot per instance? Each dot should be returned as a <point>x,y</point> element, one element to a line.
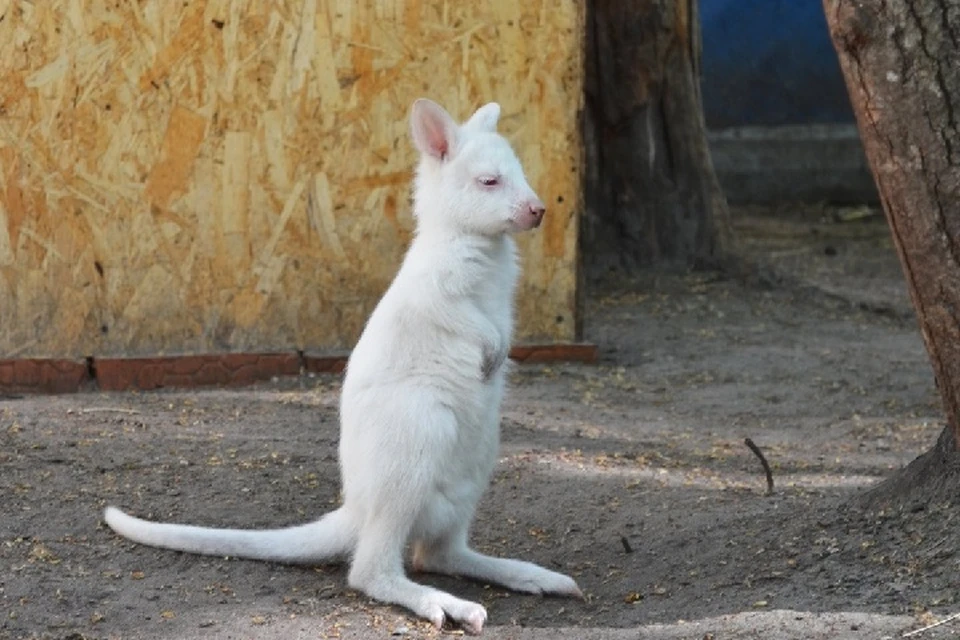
<point>44,376</point>
<point>224,370</point>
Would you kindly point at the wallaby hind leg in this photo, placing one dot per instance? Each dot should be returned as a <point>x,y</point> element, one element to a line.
<point>377,570</point>
<point>451,555</point>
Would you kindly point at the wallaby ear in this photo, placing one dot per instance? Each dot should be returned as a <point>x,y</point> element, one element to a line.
<point>485,118</point>
<point>434,132</point>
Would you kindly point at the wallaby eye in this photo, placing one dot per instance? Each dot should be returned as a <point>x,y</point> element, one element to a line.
<point>489,181</point>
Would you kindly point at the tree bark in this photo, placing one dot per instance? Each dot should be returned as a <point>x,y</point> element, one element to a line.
<point>901,62</point>
<point>652,196</point>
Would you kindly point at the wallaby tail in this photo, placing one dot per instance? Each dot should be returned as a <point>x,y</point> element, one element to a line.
<point>331,537</point>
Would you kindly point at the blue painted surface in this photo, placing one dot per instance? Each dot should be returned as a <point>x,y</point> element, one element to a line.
<point>769,62</point>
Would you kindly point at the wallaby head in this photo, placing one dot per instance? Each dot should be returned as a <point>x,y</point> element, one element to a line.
<point>469,180</point>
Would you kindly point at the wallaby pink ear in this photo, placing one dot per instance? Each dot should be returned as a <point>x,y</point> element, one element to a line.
<point>434,132</point>
<point>485,118</point>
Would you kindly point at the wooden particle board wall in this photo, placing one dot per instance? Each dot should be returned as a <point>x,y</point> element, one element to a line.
<point>189,176</point>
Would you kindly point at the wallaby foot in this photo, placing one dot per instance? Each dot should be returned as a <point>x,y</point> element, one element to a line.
<point>518,575</point>
<point>377,570</point>
<point>428,603</point>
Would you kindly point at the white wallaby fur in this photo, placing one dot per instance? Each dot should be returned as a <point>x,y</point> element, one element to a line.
<point>420,408</point>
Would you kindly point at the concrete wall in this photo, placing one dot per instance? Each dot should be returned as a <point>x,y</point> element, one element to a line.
<point>776,104</point>
<point>792,163</point>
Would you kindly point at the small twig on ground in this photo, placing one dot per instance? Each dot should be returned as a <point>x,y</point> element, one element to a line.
<point>626,544</point>
<point>931,626</point>
<point>763,460</point>
<point>109,410</point>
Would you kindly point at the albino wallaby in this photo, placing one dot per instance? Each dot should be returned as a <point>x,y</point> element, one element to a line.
<point>420,408</point>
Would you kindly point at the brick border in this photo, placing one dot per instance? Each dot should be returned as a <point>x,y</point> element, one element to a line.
<point>223,370</point>
<point>38,375</point>
<point>44,376</point>
<point>573,352</point>
<point>322,363</point>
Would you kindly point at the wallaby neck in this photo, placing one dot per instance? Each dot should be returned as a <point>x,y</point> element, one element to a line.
<point>488,244</point>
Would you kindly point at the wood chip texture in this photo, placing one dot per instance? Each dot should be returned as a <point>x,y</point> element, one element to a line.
<point>233,176</point>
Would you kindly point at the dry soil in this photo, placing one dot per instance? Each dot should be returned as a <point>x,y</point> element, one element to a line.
<point>631,474</point>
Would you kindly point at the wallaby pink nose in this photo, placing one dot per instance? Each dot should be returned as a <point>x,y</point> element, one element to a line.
<point>537,209</point>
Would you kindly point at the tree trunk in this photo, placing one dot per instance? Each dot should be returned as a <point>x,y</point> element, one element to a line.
<point>651,193</point>
<point>901,62</point>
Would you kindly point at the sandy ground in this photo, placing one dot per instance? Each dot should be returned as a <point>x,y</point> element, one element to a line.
<point>631,474</point>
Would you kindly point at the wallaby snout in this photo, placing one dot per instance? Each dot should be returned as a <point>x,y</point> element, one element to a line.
<point>530,214</point>
<point>536,210</point>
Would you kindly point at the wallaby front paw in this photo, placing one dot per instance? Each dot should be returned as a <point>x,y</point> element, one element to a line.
<point>493,359</point>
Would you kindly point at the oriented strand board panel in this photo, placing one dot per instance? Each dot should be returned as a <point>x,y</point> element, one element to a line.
<point>199,176</point>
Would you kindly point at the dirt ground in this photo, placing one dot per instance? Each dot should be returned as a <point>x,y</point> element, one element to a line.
<point>631,474</point>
